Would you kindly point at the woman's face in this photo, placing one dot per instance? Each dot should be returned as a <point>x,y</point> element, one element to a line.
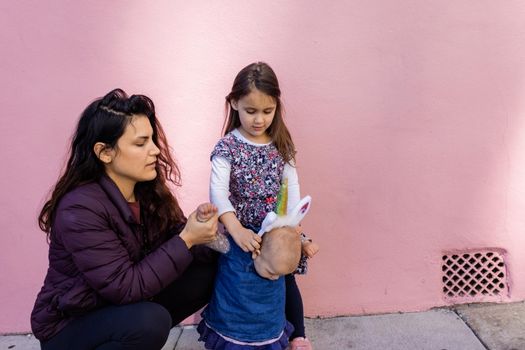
<point>134,158</point>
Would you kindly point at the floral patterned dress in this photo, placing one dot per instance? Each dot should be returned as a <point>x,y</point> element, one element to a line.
<point>229,320</point>
<point>255,177</point>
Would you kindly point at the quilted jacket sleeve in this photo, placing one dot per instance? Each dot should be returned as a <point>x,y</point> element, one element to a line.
<point>101,256</point>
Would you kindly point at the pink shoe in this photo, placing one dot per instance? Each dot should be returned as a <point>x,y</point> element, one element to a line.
<point>300,343</point>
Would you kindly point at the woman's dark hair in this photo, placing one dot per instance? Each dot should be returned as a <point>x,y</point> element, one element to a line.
<point>260,76</point>
<point>105,120</point>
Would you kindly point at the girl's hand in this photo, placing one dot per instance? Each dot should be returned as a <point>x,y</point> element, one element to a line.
<point>310,248</point>
<point>198,232</point>
<point>247,240</point>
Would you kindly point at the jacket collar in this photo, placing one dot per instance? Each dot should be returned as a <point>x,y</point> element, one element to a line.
<point>117,198</point>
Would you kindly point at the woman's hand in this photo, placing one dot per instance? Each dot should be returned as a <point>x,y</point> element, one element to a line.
<point>198,231</point>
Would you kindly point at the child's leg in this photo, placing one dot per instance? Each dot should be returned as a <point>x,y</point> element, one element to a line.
<point>294,306</point>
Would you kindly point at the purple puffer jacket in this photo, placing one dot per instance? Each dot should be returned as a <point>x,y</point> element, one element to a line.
<point>96,257</point>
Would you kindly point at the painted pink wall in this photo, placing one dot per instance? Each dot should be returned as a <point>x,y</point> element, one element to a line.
<point>408,117</point>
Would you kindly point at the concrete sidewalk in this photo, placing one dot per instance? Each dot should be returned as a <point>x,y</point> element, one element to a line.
<point>463,327</point>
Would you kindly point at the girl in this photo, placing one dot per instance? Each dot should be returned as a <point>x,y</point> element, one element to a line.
<point>123,268</point>
<point>248,165</point>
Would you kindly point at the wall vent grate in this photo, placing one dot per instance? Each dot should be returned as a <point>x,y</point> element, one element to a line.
<point>474,276</point>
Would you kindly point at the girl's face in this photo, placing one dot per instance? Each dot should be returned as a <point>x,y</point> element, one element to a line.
<point>256,112</point>
<point>135,157</point>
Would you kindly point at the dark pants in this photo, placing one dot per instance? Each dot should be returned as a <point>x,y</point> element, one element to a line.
<point>142,325</point>
<point>294,307</point>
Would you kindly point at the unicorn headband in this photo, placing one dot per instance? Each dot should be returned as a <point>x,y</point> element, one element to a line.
<point>282,217</point>
<point>272,219</point>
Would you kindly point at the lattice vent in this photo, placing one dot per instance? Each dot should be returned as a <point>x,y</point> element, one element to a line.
<point>474,276</point>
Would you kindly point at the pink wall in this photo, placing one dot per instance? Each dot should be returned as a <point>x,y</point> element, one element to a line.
<point>408,116</point>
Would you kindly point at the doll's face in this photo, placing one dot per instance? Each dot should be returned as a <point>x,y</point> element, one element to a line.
<point>280,253</point>
<point>265,268</point>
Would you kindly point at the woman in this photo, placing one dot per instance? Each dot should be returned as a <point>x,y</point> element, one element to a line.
<point>124,265</point>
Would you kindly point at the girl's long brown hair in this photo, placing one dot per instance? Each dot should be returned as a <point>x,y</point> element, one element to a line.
<point>261,76</point>
<point>105,120</point>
